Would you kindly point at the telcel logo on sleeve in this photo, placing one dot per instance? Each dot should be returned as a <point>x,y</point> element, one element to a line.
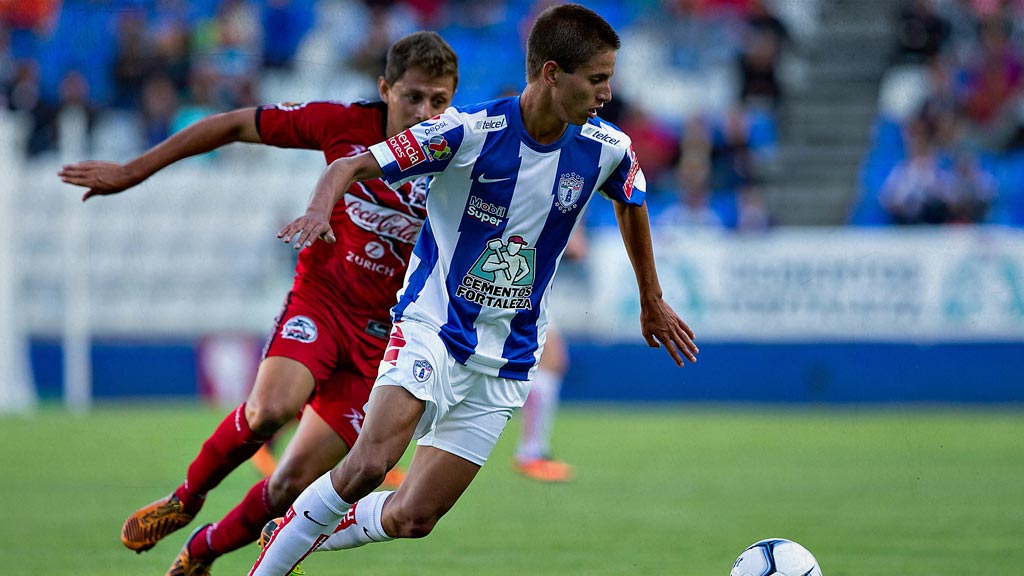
<point>595,133</point>
<point>407,151</point>
<point>490,124</point>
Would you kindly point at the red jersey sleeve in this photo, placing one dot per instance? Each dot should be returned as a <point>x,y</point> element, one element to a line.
<point>309,125</point>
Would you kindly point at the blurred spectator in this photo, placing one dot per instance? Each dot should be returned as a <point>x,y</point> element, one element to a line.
<point>940,108</point>
<point>655,145</point>
<point>134,60</point>
<point>159,105</point>
<point>7,68</point>
<point>764,38</point>
<point>231,42</point>
<point>429,13</point>
<point>733,165</point>
<point>921,33</point>
<point>697,38</point>
<point>370,56</point>
<point>692,206</point>
<point>752,213</point>
<point>758,70</point>
<point>918,190</point>
<point>201,101</point>
<point>171,45</point>
<point>23,90</point>
<point>360,33</point>
<point>761,18</point>
<point>973,191</point>
<point>993,81</point>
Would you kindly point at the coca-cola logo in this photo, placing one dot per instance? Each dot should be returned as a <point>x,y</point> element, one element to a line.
<point>382,220</point>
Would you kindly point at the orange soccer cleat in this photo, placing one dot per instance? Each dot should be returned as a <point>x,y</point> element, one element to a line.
<point>151,523</point>
<point>263,460</point>
<point>394,478</point>
<point>267,533</point>
<point>185,564</point>
<point>545,470</point>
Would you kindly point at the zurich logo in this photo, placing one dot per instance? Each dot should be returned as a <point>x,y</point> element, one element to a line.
<point>421,370</point>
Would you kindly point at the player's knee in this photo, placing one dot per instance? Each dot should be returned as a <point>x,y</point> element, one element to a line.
<point>412,523</point>
<point>284,487</point>
<point>367,472</point>
<point>266,419</point>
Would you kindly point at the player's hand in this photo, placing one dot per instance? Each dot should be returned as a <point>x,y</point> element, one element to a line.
<point>101,178</point>
<point>661,326</point>
<point>306,229</point>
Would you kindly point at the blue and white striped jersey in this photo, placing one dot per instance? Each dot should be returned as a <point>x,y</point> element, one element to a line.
<point>500,211</point>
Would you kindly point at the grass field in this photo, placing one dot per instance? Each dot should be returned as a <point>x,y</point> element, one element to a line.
<point>673,491</point>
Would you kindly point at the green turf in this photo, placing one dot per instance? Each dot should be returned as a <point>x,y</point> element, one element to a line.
<point>664,491</point>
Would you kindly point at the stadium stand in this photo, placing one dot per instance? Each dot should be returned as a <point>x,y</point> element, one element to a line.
<point>810,141</point>
<point>959,87</point>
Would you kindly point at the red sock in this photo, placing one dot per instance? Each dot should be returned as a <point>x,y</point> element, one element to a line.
<point>240,527</point>
<point>231,444</point>
<point>199,546</point>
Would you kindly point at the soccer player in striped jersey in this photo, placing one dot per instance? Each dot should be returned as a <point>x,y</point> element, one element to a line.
<point>323,355</point>
<point>511,178</point>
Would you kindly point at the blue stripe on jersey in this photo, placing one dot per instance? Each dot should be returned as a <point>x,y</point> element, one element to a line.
<point>493,184</point>
<point>426,250</point>
<point>581,159</point>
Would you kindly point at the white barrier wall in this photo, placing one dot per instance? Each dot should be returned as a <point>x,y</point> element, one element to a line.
<point>906,284</point>
<point>192,252</point>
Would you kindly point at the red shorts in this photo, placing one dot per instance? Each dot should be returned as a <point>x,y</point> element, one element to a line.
<point>343,352</point>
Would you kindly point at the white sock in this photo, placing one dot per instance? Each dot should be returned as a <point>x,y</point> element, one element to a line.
<point>361,525</point>
<point>539,416</point>
<point>309,521</point>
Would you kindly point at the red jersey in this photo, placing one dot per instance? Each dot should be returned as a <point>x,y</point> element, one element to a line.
<point>376,226</point>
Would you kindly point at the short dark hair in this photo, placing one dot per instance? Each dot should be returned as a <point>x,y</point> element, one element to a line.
<point>570,35</point>
<point>424,50</point>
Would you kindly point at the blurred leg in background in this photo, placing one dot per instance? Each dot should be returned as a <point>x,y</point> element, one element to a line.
<point>533,453</point>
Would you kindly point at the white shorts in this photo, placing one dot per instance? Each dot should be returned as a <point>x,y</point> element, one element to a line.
<point>466,411</point>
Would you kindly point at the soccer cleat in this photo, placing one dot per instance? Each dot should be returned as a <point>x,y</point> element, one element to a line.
<point>151,523</point>
<point>267,532</point>
<point>545,470</point>
<point>263,460</point>
<point>393,479</point>
<point>185,564</point>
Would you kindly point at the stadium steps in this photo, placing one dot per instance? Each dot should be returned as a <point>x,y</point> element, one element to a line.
<point>825,123</point>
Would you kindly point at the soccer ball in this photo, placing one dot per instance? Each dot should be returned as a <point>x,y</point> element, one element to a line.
<point>775,556</point>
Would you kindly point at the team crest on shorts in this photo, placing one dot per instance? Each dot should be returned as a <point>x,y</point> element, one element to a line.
<point>300,328</point>
<point>421,370</point>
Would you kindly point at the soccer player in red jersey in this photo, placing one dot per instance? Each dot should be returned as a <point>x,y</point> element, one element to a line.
<point>323,356</point>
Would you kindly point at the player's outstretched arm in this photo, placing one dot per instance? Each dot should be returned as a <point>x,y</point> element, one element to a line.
<point>210,133</point>
<point>658,322</point>
<point>331,186</point>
